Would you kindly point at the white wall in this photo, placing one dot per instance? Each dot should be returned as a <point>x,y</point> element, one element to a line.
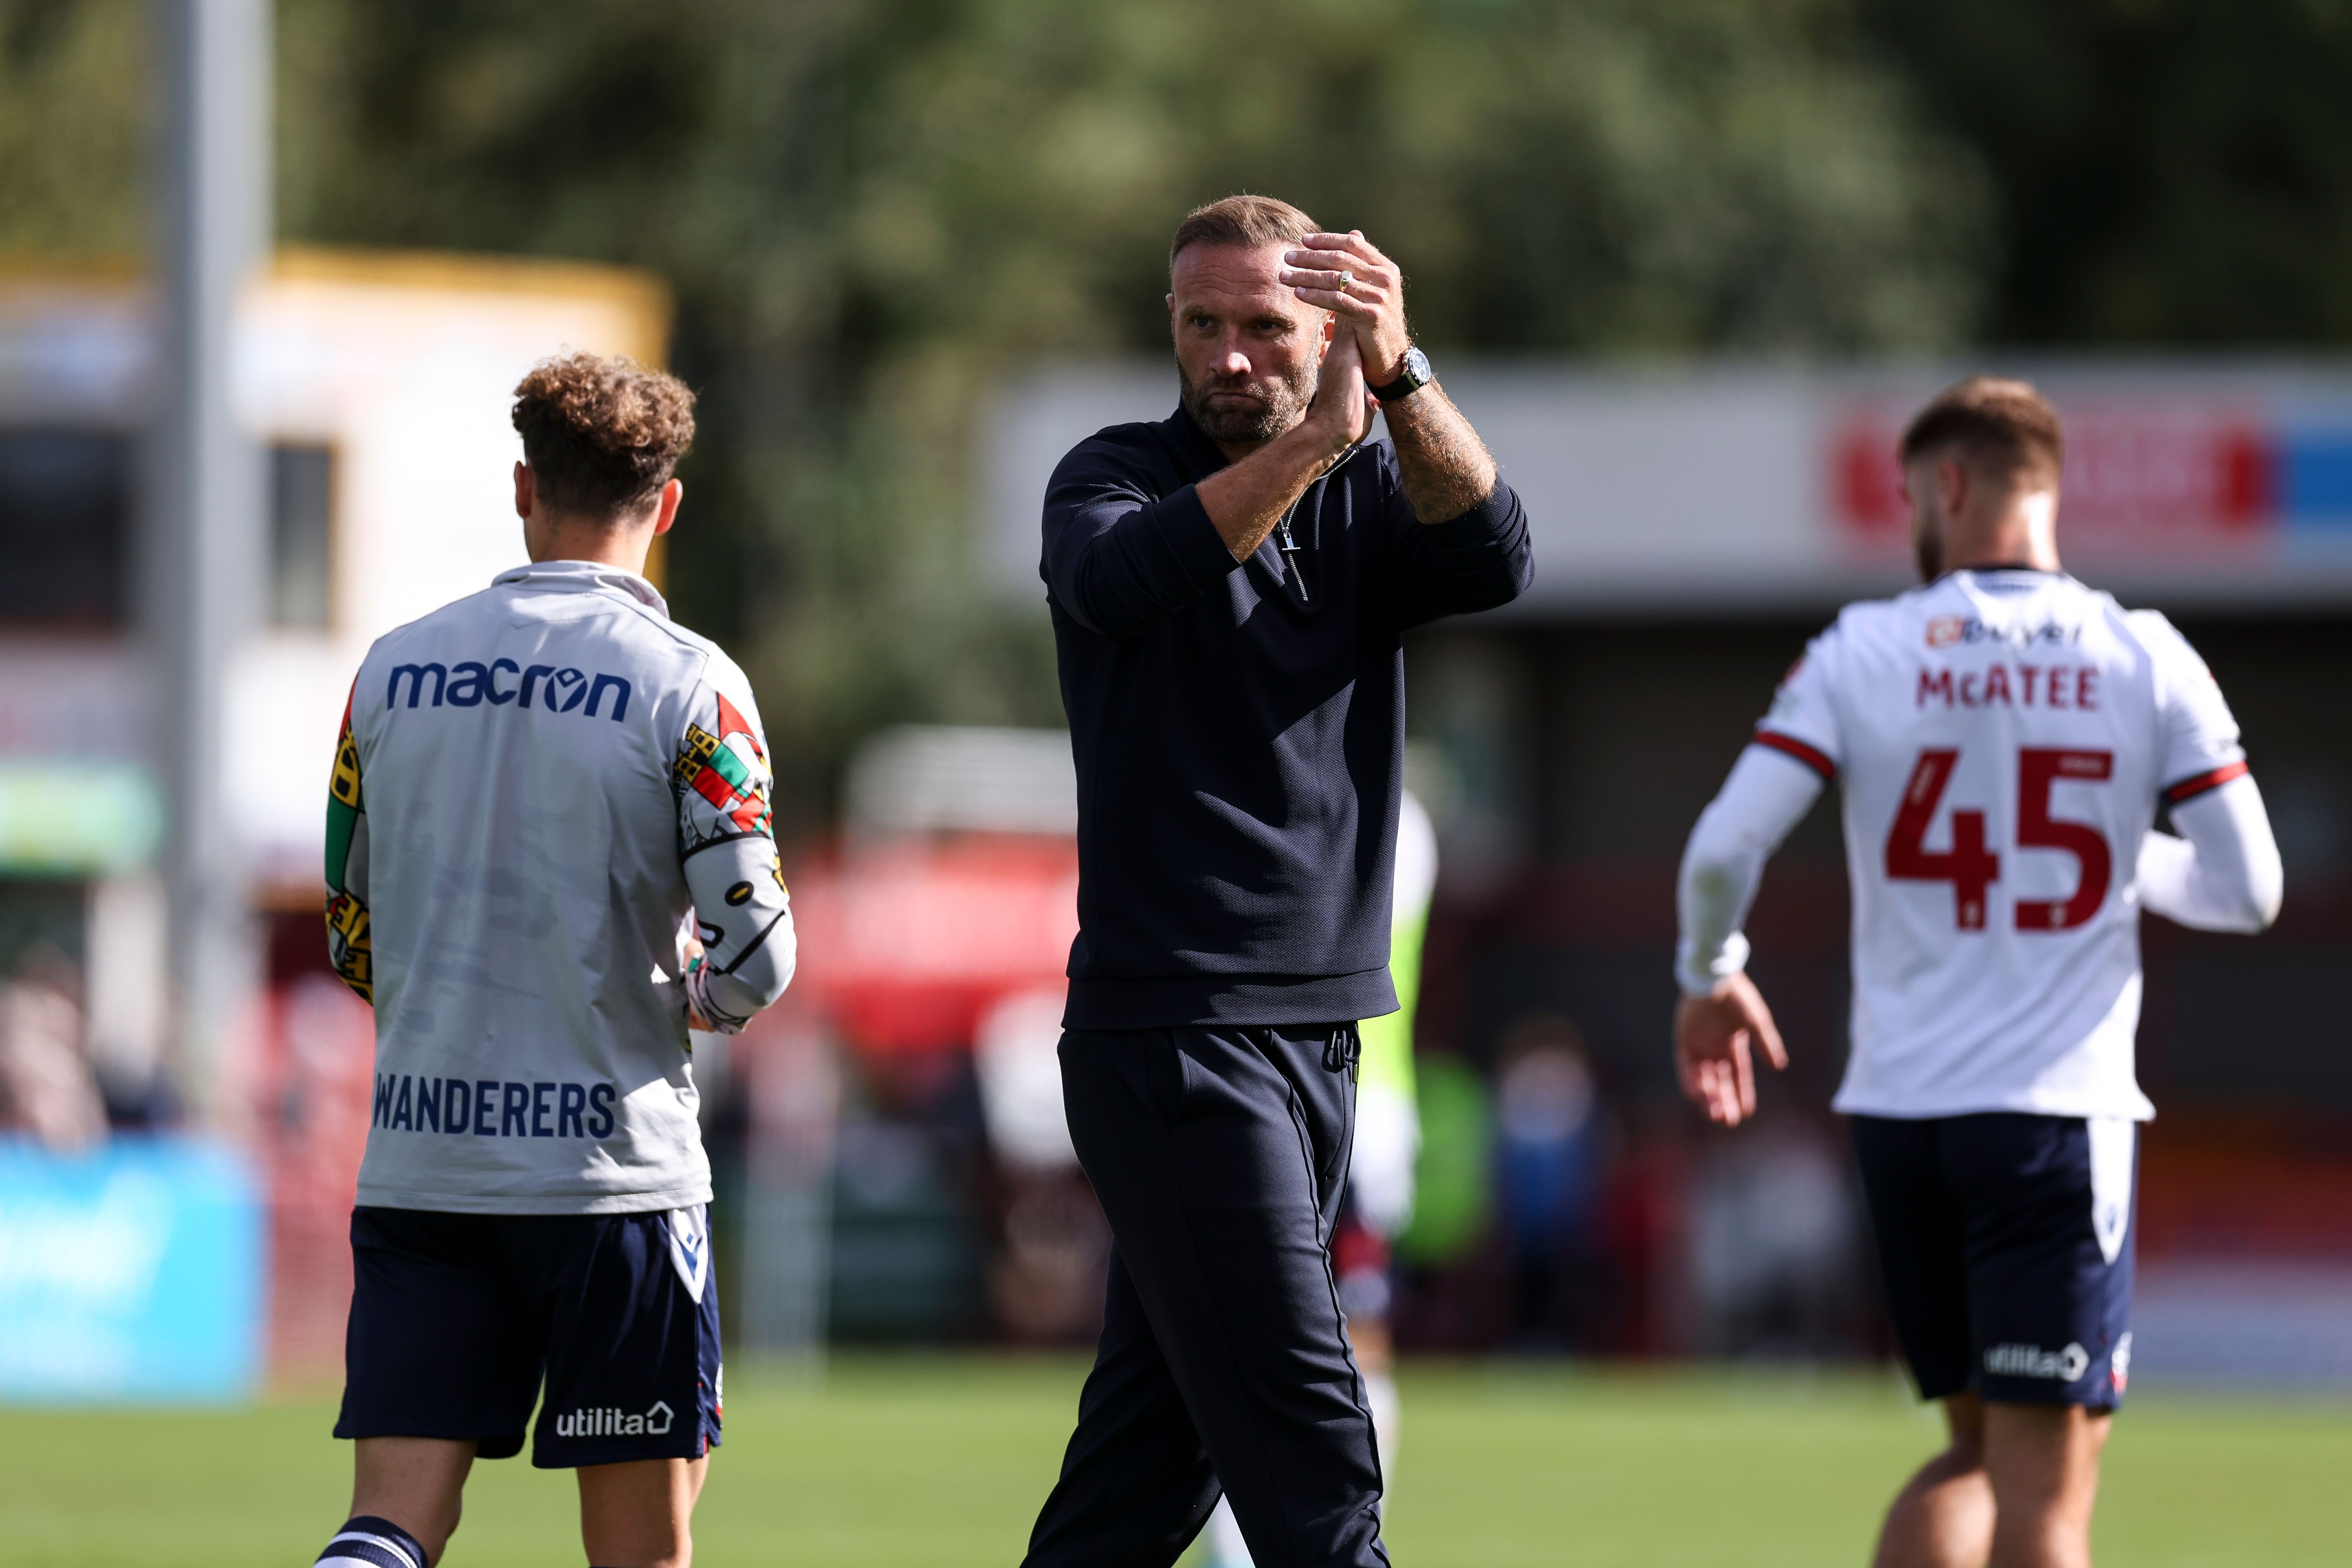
<point>1721,489</point>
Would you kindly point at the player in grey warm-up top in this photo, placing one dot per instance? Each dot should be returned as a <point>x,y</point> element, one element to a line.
<point>548,849</point>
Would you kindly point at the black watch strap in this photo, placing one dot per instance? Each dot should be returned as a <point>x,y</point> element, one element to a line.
<point>1417,376</point>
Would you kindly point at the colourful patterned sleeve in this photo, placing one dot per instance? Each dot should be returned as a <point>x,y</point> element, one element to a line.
<point>348,943</point>
<point>727,847</point>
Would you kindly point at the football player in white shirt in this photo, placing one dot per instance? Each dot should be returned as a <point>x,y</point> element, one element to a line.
<point>2003,735</point>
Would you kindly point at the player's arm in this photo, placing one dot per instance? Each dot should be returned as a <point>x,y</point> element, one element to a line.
<point>349,944</point>
<point>1722,1018</point>
<point>727,849</point>
<point>2224,872</point>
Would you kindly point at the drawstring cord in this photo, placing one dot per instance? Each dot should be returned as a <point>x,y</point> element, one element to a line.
<point>1345,1048</point>
<point>1288,546</point>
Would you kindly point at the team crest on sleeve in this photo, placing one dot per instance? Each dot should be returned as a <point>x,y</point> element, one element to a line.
<point>729,770</point>
<point>348,943</point>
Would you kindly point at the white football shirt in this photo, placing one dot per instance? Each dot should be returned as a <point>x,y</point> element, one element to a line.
<point>2003,738</point>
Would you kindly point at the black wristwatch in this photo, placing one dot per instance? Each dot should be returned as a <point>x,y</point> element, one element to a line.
<point>1417,374</point>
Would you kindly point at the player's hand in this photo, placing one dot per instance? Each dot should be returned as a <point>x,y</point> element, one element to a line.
<point>1343,408</point>
<point>1346,275</point>
<point>693,950</point>
<point>1714,1039</point>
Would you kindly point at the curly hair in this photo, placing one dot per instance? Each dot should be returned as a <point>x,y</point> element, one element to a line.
<point>602,435</point>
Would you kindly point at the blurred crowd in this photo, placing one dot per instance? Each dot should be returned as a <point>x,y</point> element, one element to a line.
<point>48,1086</point>
<point>1556,1214</point>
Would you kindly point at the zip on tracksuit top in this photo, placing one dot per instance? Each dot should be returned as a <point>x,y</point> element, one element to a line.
<point>1239,728</point>
<point>540,792</point>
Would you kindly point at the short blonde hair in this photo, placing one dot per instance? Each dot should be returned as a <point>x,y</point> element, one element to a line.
<point>1244,220</point>
<point>2004,425</point>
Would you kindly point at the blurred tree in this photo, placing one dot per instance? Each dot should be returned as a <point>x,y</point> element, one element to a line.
<point>2169,171</point>
<point>74,130</point>
<point>871,209</point>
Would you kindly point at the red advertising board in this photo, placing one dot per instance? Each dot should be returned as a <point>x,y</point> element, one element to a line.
<point>907,943</point>
<point>2180,480</point>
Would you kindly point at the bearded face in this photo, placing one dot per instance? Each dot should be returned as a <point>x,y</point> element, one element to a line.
<point>1249,352</point>
<point>1250,407</point>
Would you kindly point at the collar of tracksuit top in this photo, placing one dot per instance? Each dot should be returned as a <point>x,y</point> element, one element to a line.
<point>1239,747</point>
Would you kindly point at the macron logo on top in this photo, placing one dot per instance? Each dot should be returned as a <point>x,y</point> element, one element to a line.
<point>469,684</point>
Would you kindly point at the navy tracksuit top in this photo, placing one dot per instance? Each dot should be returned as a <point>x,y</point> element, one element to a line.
<point>1240,744</point>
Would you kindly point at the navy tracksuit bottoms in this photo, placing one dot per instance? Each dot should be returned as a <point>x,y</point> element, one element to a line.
<point>1219,1154</point>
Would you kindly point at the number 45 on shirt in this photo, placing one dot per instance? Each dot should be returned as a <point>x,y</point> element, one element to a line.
<point>1971,867</point>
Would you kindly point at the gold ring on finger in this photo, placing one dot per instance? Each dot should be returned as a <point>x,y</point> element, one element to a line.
<point>1346,279</point>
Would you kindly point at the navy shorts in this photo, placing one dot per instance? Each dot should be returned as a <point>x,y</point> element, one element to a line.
<point>2006,1243</point>
<point>457,1318</point>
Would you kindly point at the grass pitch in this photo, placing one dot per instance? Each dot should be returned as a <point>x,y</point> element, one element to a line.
<point>938,1461</point>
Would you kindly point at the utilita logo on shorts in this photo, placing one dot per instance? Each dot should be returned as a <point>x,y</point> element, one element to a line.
<point>615,1423</point>
<point>2031,1361</point>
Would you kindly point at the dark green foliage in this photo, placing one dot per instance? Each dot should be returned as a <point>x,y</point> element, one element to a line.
<point>2170,170</point>
<point>74,128</point>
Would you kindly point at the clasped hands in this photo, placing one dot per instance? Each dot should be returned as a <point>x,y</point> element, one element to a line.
<point>1346,275</point>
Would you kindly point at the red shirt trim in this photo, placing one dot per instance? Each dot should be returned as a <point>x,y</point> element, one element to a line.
<point>1789,746</point>
<point>2201,783</point>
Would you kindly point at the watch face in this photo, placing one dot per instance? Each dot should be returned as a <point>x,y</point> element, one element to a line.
<point>1416,367</point>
